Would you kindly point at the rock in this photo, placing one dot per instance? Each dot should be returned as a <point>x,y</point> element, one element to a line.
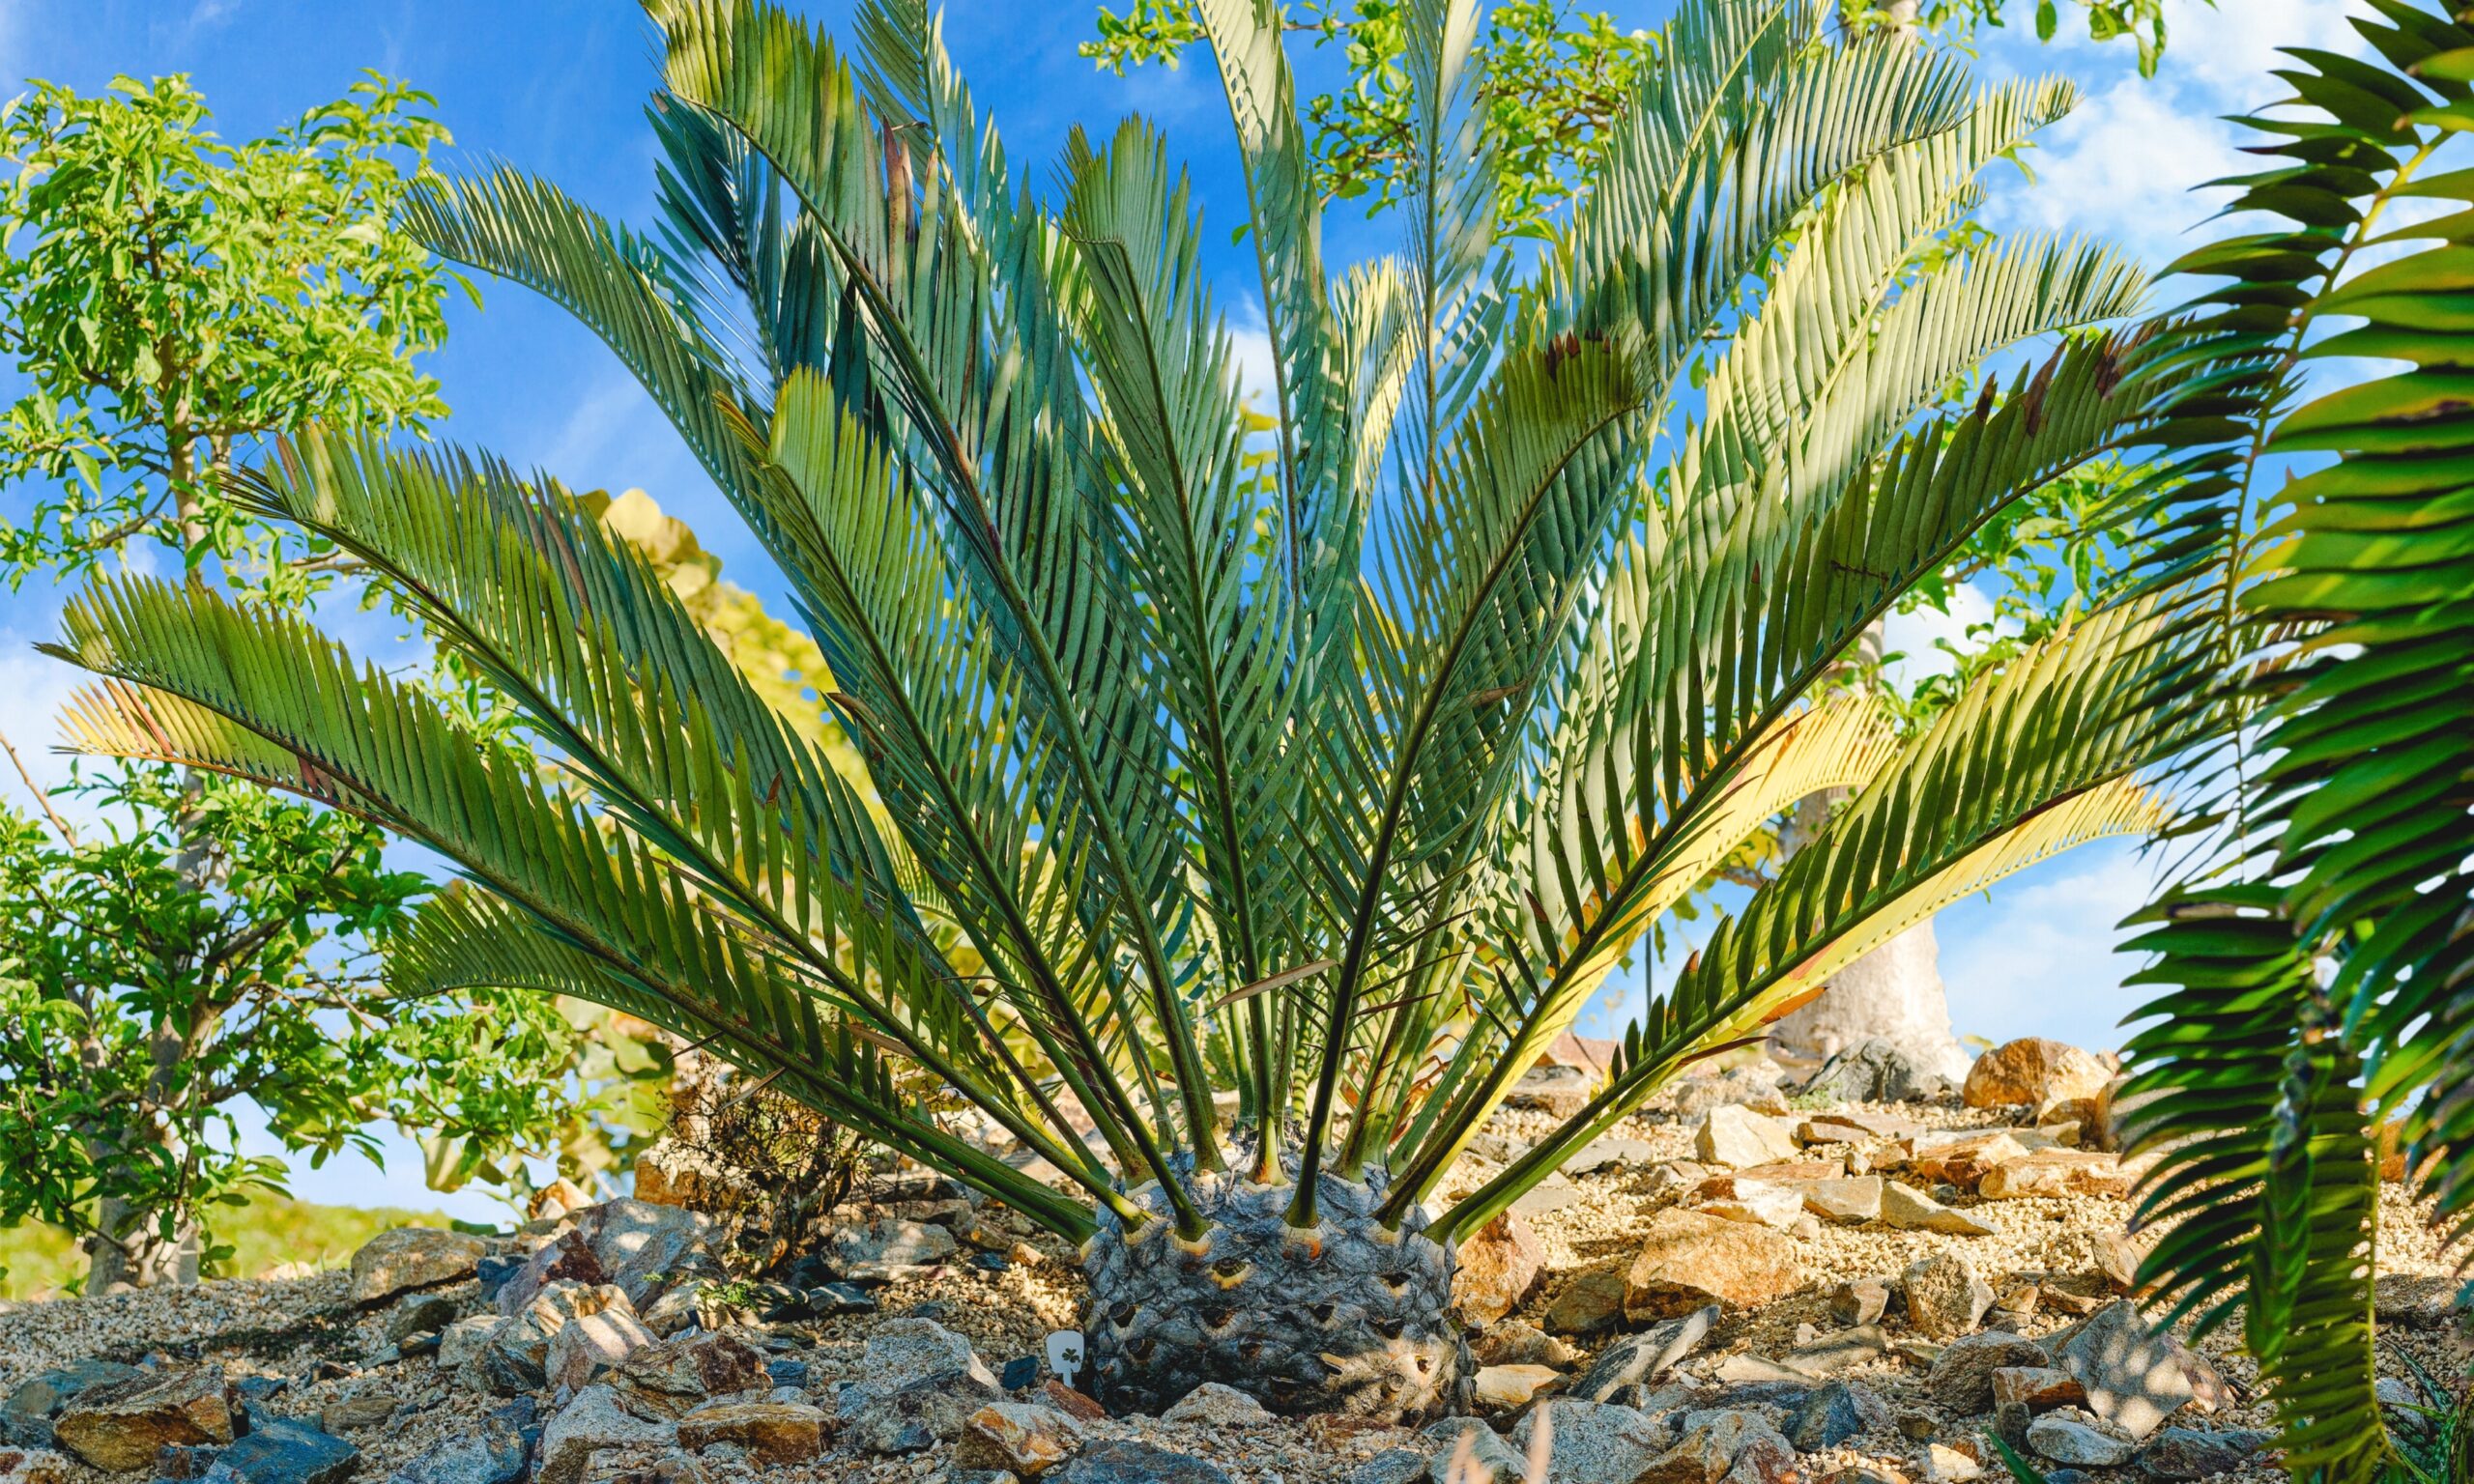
<point>1944,1465</point>
<point>1606,1153</point>
<point>886,1248</point>
<point>1073,1404</point>
<point>923,1382</point>
<point>1753,1370</point>
<point>1464,1450</point>
<point>1689,1259</point>
<point>282,1451</point>
<point>1876,1070</point>
<point>462,1340</point>
<point>639,1246</point>
<point>118,1424</point>
<point>1962,1159</point>
<point>1502,1388</point>
<point>2057,1172</point>
<point>25,1418</point>
<point>1212,1405</point>
<point>411,1257</point>
<point>1643,1357</point>
<point>593,1421</point>
<point>2032,1070</point>
<point>2073,1437</point>
<point>1590,1303</point>
<point>515,1356</point>
<point>33,1466</point>
<point>1836,1413</point>
<point>2037,1387</point>
<point>1136,1462</point>
<point>1518,1342</point>
<point>1695,1094</point>
<point>1498,1267</point>
<point>1840,1351</point>
<point>1945,1297</point>
<point>669,1173</point>
<point>1021,1438</point>
<point>1392,1465</point>
<point>2134,1379</point>
<point>585,1347</point>
<point>1776,1207</point>
<point>2188,1453</point>
<point>1911,1211</point>
<point>419,1313</point>
<point>2209,1390</point>
<point>1961,1376</point>
<point>2118,1255</point>
<point>772,1433</point>
<point>1561,1091</point>
<point>1768,1459</point>
<point>1729,1184</point>
<point>672,1378</point>
<point>1850,1202</point>
<point>1713,1444</point>
<point>1736,1137</point>
<point>358,1412</point>
<point>1914,1425</point>
<point>495,1454</point>
<point>1863,1300</point>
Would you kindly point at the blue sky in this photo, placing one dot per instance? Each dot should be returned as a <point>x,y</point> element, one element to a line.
<point>558,87</point>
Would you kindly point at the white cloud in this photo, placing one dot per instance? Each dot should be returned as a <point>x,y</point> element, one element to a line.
<point>1251,338</point>
<point>2036,956</point>
<point>1915,636</point>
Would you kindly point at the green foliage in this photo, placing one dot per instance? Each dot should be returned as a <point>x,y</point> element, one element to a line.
<point>265,1232</point>
<point>1334,761</point>
<point>2314,957</point>
<point>173,297</point>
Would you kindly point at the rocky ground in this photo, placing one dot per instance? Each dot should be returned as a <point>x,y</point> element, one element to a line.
<point>1742,1286</point>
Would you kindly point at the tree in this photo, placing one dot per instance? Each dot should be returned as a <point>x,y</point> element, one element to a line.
<point>2312,954</point>
<point>175,298</point>
<point>1330,763</point>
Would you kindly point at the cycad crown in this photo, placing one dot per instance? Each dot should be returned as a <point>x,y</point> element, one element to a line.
<point>1328,754</point>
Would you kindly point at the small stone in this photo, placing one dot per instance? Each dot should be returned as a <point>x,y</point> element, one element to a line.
<point>1392,1465</point>
<point>586,1346</point>
<point>1591,1441</point>
<point>2118,1255</point>
<point>356,1411</point>
<point>1850,1202</point>
<point>2037,1387</point>
<point>33,1466</point>
<point>283,1451</point>
<point>1736,1137</point>
<point>1776,1207</point>
<point>118,1424</point>
<point>2134,1379</point>
<point>1876,1070</point>
<point>1499,1268</point>
<point>1913,1425</point>
<point>418,1314</point>
<point>771,1432</point>
<point>886,1248</point>
<point>1944,1296</point>
<point>592,1422</point>
<point>1689,1260</point>
<point>1518,1342</point>
<point>2051,1172</point>
<point>1561,1091</point>
<point>1019,1372</point>
<point>2032,1070</point>
<point>463,1339</point>
<point>411,1257</point>
<point>1073,1404</point>
<point>1911,1211</point>
<point>2189,1453</point>
<point>903,1350</point>
<point>2073,1437</point>
<point>1502,1388</point>
<point>1838,1350</point>
<point>1212,1405</point>
<point>1962,1159</point>
<point>1117,1462</point>
<point>1467,1451</point>
<point>1706,1452</point>
<point>676,1376</point>
<point>1963,1377</point>
<point>1643,1357</point>
<point>1863,1300</point>
<point>1946,1464</point>
<point>1590,1304</point>
<point>1836,1413</point>
<point>1606,1153</point>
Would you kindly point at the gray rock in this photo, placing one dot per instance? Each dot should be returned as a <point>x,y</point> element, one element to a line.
<point>411,1257</point>
<point>495,1453</point>
<point>1594,1440</point>
<point>640,1247</point>
<point>588,1345</point>
<point>886,1248</point>
<point>1392,1465</point>
<point>283,1451</point>
<point>593,1421</point>
<point>1834,1413</point>
<point>1839,1350</point>
<point>1944,1296</point>
<point>2189,1453</point>
<point>1693,1097</point>
<point>1135,1463</point>
<point>1962,1375</point>
<point>912,1417</point>
<point>464,1339</point>
<point>672,1378</point>
<point>1644,1357</point>
<point>1876,1070</point>
<point>1212,1405</point>
<point>2073,1437</point>
<point>903,1350</point>
<point>1561,1091</point>
<point>1493,1460</point>
<point>26,1417</point>
<point>1607,1153</point>
<point>2134,1379</point>
<point>419,1314</point>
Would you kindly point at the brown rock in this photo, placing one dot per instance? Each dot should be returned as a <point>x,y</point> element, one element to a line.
<point>1863,1300</point>
<point>1961,1378</point>
<point>1561,1091</point>
<point>773,1433</point>
<point>1073,1404</point>
<point>1944,1296</point>
<point>2057,1172</point>
<point>2037,1387</point>
<point>1850,1202</point>
<point>1590,1303</point>
<point>1963,1160</point>
<point>673,1378</point>
<point>2034,1071</point>
<point>593,1343</point>
<point>1501,1387</point>
<point>1689,1259</point>
<point>1736,1137</point>
<point>1731,1184</point>
<point>1913,1211</point>
<point>669,1173</point>
<point>1518,1342</point>
<point>1021,1438</point>
<point>411,1257</point>
<point>1499,1268</point>
<point>119,1425</point>
<point>356,1411</point>
<point>2118,1255</point>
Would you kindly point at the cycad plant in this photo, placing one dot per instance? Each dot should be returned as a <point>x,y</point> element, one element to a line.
<point>2317,953</point>
<point>1260,793</point>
